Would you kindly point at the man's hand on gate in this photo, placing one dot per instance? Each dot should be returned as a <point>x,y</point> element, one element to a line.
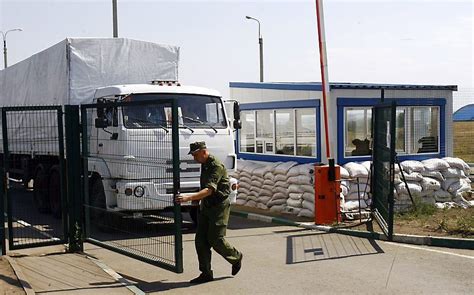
<point>183,198</point>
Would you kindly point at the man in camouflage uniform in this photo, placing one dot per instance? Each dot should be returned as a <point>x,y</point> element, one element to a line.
<point>214,214</point>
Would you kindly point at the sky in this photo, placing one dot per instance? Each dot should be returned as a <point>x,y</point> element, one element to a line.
<point>404,41</point>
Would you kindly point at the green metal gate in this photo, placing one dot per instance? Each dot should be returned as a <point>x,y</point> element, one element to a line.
<point>33,186</point>
<point>131,160</point>
<point>383,171</point>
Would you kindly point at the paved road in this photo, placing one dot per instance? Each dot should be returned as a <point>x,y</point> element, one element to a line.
<point>282,259</point>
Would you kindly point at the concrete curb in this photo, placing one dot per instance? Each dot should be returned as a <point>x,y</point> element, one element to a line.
<point>406,239</point>
<point>21,277</point>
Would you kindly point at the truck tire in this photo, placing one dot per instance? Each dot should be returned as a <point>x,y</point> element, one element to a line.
<point>40,189</point>
<point>55,191</point>
<point>97,205</point>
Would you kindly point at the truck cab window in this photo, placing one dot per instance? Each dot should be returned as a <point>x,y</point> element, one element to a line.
<point>195,111</point>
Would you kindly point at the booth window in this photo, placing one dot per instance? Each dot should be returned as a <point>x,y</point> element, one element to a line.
<point>417,130</point>
<point>285,131</point>
<point>306,132</point>
<point>247,133</point>
<point>358,134</point>
<point>282,131</point>
<point>265,138</point>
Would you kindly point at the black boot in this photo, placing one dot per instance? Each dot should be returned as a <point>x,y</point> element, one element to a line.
<point>202,278</point>
<point>236,267</point>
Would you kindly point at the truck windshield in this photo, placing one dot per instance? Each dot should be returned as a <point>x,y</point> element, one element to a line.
<point>195,111</point>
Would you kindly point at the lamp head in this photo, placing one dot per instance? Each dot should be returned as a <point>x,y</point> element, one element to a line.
<point>247,17</point>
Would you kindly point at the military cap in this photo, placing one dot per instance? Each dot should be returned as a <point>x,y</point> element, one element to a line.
<point>196,146</point>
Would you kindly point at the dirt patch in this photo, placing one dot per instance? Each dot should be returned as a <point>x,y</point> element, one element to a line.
<point>9,283</point>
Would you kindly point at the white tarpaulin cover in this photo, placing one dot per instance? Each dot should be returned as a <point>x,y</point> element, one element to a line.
<point>70,71</point>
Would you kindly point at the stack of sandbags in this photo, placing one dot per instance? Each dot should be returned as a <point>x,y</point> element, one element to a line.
<point>301,190</point>
<point>277,179</point>
<point>355,186</point>
<point>457,181</point>
<point>434,181</point>
<point>247,194</point>
<point>412,171</point>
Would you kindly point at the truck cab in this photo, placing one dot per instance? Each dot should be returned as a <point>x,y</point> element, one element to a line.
<point>123,140</point>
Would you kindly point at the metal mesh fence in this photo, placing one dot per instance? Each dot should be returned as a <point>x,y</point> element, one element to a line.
<point>33,157</point>
<point>129,207</point>
<point>463,125</point>
<point>383,166</point>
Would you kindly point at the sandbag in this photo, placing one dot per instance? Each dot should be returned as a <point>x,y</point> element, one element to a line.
<point>268,182</point>
<point>306,213</point>
<point>308,205</point>
<point>251,203</point>
<point>453,172</point>
<point>269,176</point>
<point>353,205</point>
<point>262,206</point>
<point>356,170</point>
<point>442,196</point>
<point>459,187</point>
<point>256,183</point>
<point>284,167</point>
<point>296,196</point>
<point>279,189</point>
<point>278,208</point>
<point>427,193</point>
<point>276,202</point>
<point>414,176</point>
<point>457,163</point>
<point>308,197</point>
<point>359,188</point>
<point>412,166</point>
<point>280,177</point>
<point>429,183</point>
<point>292,210</point>
<point>344,173</point>
<point>435,164</point>
<point>415,188</point>
<point>294,203</point>
<point>294,188</point>
<point>429,199</point>
<point>277,196</point>
<point>300,179</point>
<point>367,165</point>
<point>307,188</point>
<point>433,174</point>
<point>450,181</point>
<point>281,184</point>
<point>344,190</point>
<point>355,196</point>
<point>240,201</point>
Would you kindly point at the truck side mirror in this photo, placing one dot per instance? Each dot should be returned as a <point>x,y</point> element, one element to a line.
<point>236,110</point>
<point>237,123</point>
<point>101,121</point>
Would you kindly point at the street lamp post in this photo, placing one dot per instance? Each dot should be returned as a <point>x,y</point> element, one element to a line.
<point>4,35</point>
<point>260,42</point>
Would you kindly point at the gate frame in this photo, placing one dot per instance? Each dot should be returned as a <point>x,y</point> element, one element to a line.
<point>178,245</point>
<point>6,196</point>
<point>385,225</point>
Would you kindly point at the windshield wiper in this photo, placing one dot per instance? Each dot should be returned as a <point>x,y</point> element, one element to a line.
<point>152,124</point>
<point>200,122</point>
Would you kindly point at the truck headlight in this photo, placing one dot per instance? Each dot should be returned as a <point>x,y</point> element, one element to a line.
<point>139,191</point>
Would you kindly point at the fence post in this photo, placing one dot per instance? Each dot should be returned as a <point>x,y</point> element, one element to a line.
<point>176,186</point>
<point>3,185</point>
<point>73,174</point>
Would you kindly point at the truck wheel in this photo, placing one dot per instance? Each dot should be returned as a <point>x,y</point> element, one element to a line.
<point>55,192</point>
<point>40,191</point>
<point>194,213</point>
<point>98,210</point>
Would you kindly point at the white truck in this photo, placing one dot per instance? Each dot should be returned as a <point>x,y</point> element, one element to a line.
<point>81,71</point>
